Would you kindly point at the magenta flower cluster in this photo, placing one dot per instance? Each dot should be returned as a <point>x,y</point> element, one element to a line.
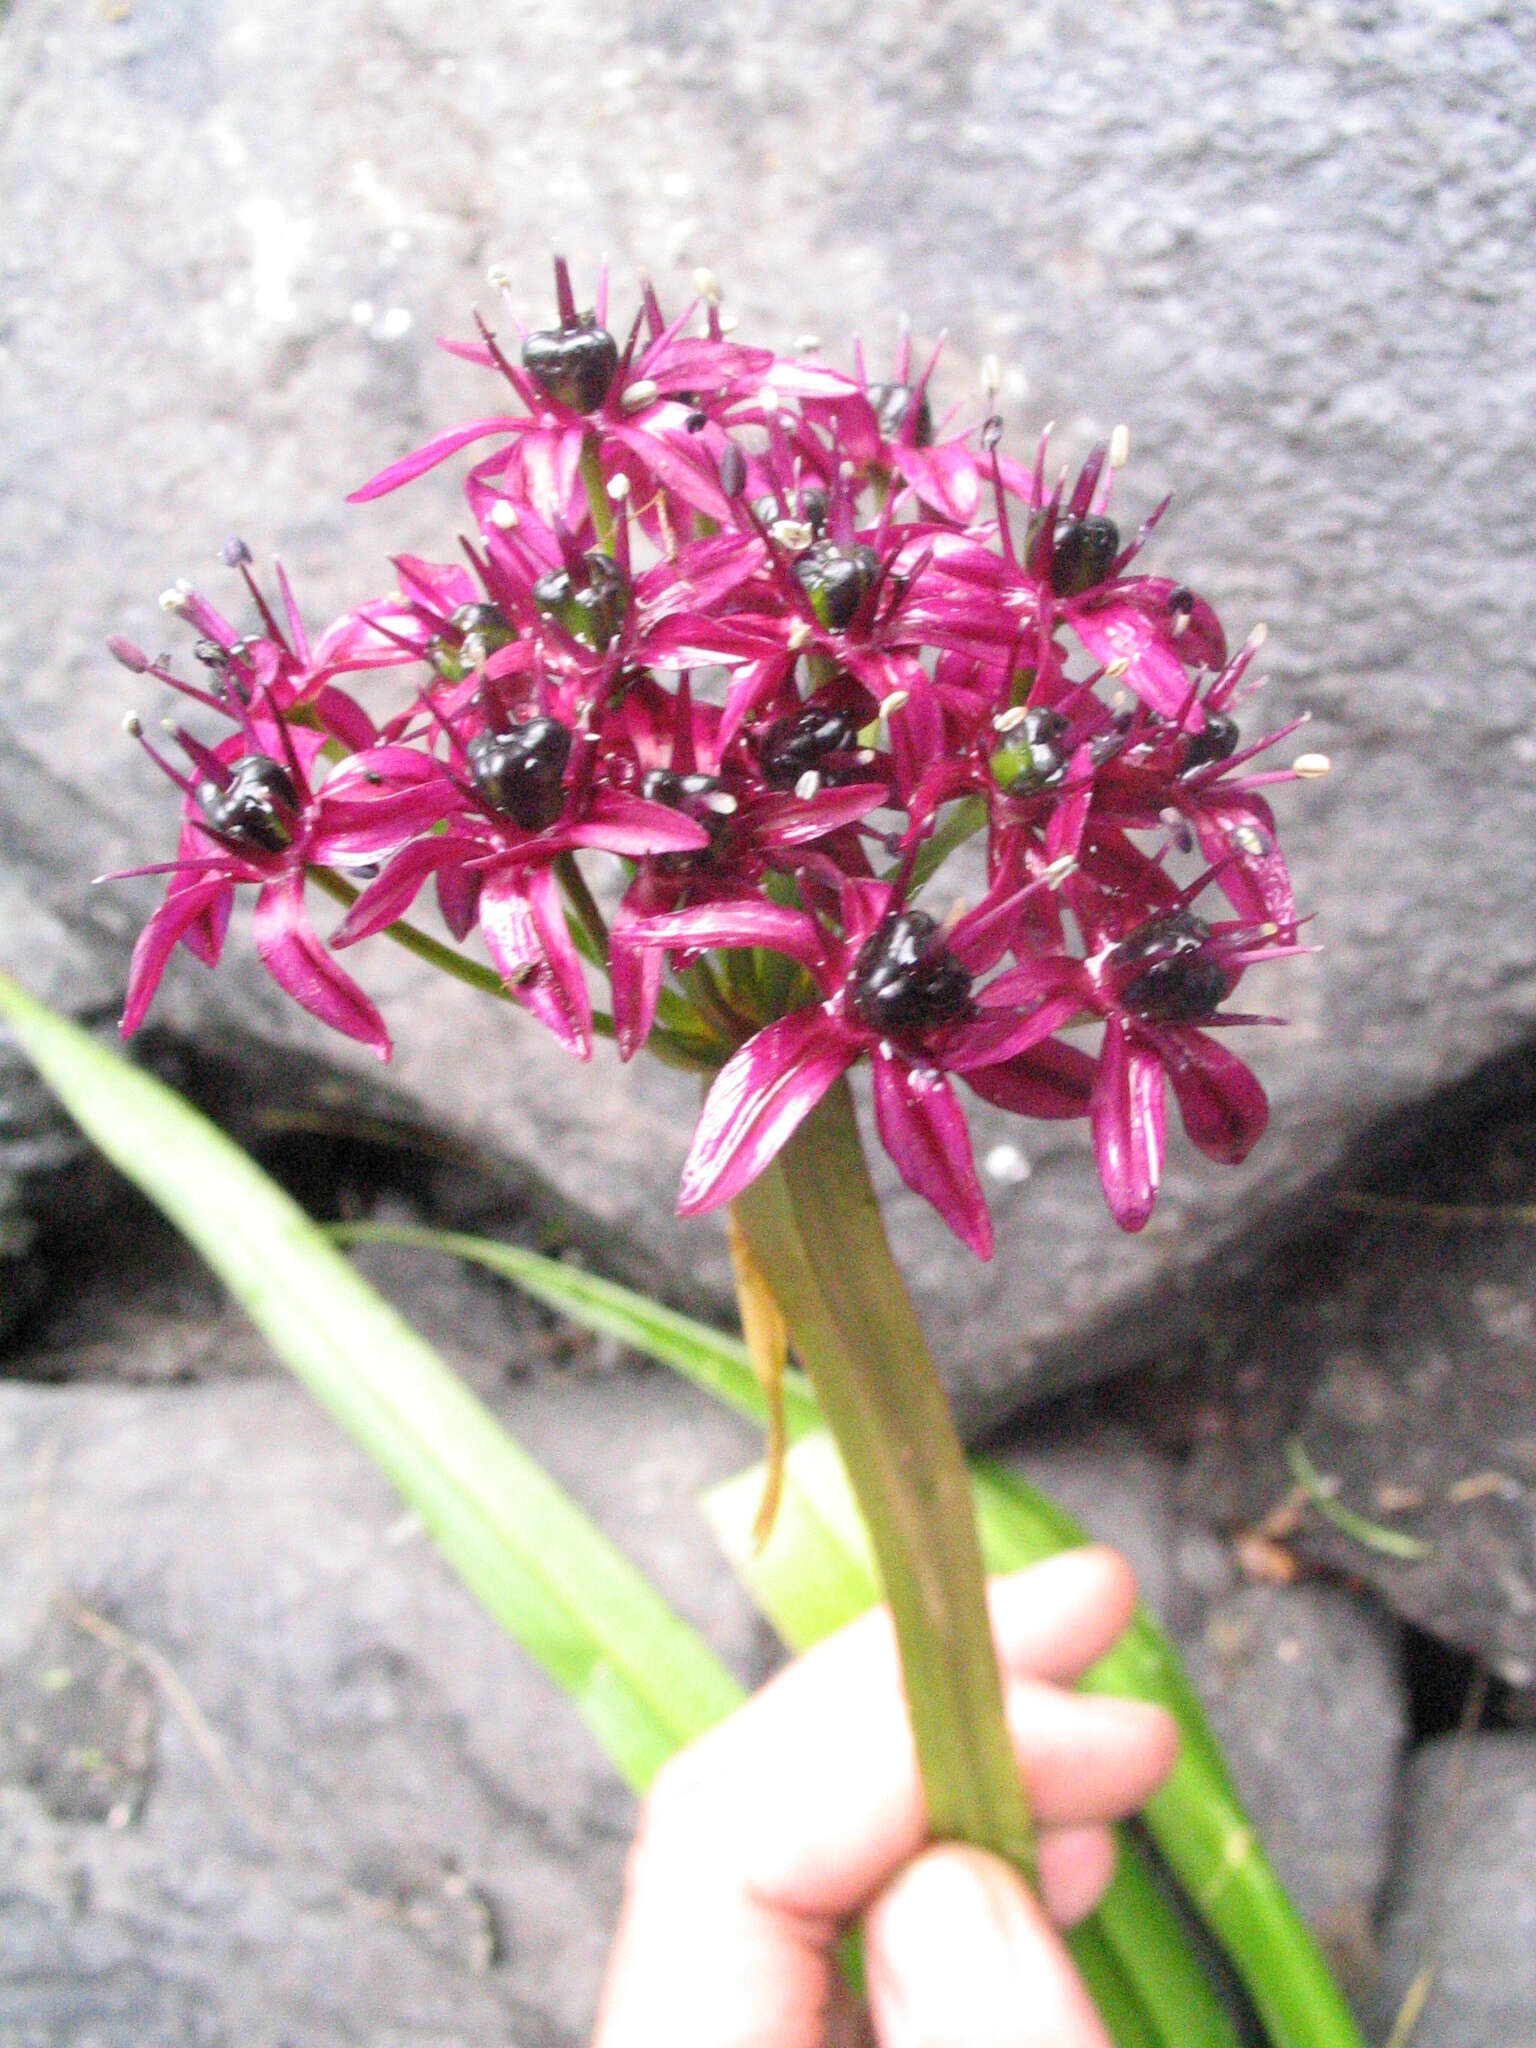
<point>776,644</point>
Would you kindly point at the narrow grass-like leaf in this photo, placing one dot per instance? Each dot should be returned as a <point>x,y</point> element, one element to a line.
<point>712,1361</point>
<point>644,1682</point>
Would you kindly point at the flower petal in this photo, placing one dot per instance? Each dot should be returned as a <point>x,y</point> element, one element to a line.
<point>758,1098</point>
<point>428,456</point>
<point>195,912</point>
<point>1223,1107</point>
<point>288,948</point>
<point>526,936</point>
<point>923,1128</point>
<point>1051,1080</point>
<point>1128,1120</point>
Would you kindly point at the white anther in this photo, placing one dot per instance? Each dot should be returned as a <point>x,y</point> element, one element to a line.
<point>1120,447</point>
<point>809,785</point>
<point>799,633</point>
<point>1012,719</point>
<point>1114,670</point>
<point>1311,767</point>
<point>503,514</point>
<point>729,322</point>
<point>498,277</point>
<point>708,286</point>
<point>794,534</point>
<point>1122,700</point>
<point>174,600</point>
<point>1249,841</point>
<point>721,803</point>
<point>866,757</point>
<point>618,488</point>
<point>1257,637</point>
<point>639,395</point>
<point>1058,871</point>
<point>990,376</point>
<point>952,916</point>
<point>897,701</point>
<point>807,344</point>
<point>133,725</point>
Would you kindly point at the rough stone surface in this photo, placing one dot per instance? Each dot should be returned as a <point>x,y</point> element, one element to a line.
<point>1303,1688</point>
<point>1462,1902</point>
<point>1285,244</point>
<point>267,1775</point>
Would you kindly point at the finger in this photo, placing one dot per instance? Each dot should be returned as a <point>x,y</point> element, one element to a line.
<point>1076,1865</point>
<point>958,1955</point>
<point>809,1796</point>
<point>1055,1619</point>
<point>1087,1756</point>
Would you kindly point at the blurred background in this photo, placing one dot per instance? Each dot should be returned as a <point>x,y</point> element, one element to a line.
<point>1288,243</point>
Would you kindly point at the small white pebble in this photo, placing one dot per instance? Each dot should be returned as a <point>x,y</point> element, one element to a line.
<point>1006,1163</point>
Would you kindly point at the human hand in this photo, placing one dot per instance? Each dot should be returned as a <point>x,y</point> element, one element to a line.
<point>760,1842</point>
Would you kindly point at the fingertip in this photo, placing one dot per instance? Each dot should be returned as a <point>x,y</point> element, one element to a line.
<point>1076,1866</point>
<point>1053,1619</point>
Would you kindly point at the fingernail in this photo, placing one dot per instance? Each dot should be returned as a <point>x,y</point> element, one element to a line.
<point>952,1946</point>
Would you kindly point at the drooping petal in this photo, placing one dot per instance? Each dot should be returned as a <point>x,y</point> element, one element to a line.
<point>1223,1107</point>
<point>617,822</point>
<point>293,955</point>
<point>1236,829</point>
<point>1128,1122</point>
<point>390,895</point>
<point>527,940</point>
<point>750,921</point>
<point>428,456</point>
<point>1051,1081</point>
<point>923,1128</point>
<point>758,1098</point>
<point>195,911</point>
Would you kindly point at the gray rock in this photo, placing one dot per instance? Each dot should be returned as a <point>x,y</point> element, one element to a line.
<point>1119,1492</point>
<point>1462,1903</point>
<point>1285,245</point>
<point>304,1792</point>
<point>1302,1687</point>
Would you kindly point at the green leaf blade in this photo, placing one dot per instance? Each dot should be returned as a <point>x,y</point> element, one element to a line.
<point>644,1682</point>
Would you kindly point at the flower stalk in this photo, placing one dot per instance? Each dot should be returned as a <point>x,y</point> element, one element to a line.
<point>813,1224</point>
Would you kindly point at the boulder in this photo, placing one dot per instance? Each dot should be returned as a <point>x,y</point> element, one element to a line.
<point>1285,247</point>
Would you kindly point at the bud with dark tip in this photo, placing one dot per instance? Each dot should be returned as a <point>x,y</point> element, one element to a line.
<point>835,580</point>
<point>906,980</point>
<point>575,365</point>
<point>256,809</point>
<point>802,741</point>
<point>1034,754</point>
<point>1167,973</point>
<point>1084,554</point>
<point>893,404</point>
<point>591,611</point>
<point>520,773</point>
<point>1215,741</point>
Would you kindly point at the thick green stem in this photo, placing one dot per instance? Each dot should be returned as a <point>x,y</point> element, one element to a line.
<point>813,1225</point>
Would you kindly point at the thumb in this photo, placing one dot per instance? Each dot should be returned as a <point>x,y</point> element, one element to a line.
<point>959,1954</point>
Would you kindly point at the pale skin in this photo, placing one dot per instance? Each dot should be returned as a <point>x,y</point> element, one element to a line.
<point>802,1814</point>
